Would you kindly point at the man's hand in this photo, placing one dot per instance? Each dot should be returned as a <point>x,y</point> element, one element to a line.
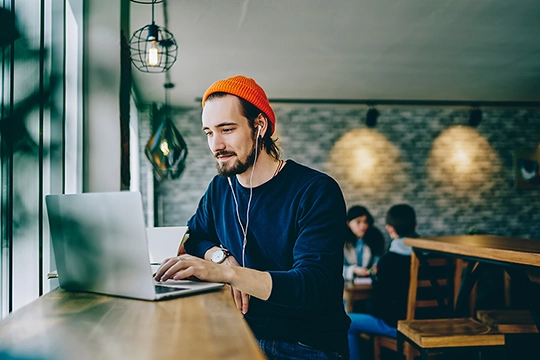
<point>186,266</point>
<point>240,299</point>
<point>244,282</point>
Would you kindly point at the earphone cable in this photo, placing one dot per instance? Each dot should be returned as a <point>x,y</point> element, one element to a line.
<point>245,230</point>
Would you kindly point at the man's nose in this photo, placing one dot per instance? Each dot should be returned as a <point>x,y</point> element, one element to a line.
<point>216,143</point>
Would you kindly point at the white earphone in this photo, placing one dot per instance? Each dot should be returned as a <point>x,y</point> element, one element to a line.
<point>259,131</point>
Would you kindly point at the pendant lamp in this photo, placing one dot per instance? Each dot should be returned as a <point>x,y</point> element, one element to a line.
<point>152,48</point>
<point>166,149</point>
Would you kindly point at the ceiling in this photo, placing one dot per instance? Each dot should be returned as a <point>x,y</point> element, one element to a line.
<point>462,50</point>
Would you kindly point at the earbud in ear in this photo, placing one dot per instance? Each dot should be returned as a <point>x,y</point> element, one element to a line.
<point>259,131</point>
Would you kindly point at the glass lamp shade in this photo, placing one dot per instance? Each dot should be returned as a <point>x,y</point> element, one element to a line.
<point>167,151</point>
<point>153,49</point>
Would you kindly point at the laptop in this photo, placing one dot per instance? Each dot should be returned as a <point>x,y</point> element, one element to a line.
<point>100,246</point>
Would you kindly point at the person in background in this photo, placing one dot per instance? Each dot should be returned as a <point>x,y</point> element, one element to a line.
<point>272,229</point>
<point>390,282</point>
<point>364,247</point>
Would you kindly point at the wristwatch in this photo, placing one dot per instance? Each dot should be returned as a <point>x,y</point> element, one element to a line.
<point>220,255</point>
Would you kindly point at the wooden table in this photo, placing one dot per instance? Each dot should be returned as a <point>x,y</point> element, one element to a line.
<point>354,292</point>
<point>515,255</point>
<point>64,325</point>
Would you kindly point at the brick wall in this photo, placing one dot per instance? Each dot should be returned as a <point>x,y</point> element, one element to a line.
<point>454,176</point>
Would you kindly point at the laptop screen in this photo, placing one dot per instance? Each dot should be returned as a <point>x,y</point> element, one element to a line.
<point>99,242</point>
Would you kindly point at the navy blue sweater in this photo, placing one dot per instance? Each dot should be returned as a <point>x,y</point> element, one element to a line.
<point>296,231</point>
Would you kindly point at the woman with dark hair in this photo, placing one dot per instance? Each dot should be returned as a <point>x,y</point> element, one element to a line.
<point>365,245</point>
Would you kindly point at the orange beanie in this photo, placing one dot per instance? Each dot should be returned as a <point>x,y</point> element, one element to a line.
<point>247,89</point>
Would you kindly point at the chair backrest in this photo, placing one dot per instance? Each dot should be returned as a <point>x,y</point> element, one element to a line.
<point>431,287</point>
<point>424,299</point>
<point>164,242</point>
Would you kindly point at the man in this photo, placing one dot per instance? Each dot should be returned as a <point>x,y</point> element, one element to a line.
<point>271,229</point>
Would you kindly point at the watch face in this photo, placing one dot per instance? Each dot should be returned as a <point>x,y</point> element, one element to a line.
<point>218,256</point>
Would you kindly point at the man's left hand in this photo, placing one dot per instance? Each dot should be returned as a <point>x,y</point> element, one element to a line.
<point>240,299</point>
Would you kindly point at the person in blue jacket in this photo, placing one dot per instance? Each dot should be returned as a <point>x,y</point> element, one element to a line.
<point>272,229</point>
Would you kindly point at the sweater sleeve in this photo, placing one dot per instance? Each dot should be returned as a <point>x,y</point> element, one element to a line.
<point>316,274</point>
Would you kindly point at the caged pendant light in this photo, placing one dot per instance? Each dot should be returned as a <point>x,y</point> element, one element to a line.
<point>166,149</point>
<point>153,49</point>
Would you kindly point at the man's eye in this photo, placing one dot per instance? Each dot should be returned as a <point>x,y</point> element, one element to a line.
<point>225,130</point>
<point>208,133</point>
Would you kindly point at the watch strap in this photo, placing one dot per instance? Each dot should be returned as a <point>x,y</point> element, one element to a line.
<point>225,251</point>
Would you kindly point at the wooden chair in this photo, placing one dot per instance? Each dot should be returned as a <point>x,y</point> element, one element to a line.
<point>422,299</point>
<point>512,320</point>
<point>515,323</point>
<point>445,334</point>
<point>520,331</point>
<point>508,321</point>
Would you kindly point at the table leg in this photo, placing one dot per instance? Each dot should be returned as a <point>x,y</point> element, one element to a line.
<point>470,278</point>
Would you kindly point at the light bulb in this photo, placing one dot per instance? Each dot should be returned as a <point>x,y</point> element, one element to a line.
<point>164,147</point>
<point>153,54</point>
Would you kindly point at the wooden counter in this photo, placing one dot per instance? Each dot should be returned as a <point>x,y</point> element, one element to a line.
<point>64,325</point>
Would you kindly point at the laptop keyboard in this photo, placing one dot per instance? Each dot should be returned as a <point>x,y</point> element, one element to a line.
<point>162,289</point>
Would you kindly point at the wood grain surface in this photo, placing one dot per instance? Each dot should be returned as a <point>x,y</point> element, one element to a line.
<point>441,333</point>
<point>490,247</point>
<point>508,321</point>
<point>67,325</point>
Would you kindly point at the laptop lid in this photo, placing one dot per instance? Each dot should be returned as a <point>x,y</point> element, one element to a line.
<point>100,245</point>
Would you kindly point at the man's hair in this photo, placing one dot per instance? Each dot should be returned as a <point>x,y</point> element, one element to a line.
<point>402,218</point>
<point>251,112</point>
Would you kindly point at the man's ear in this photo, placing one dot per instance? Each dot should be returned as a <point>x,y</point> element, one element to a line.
<point>391,231</point>
<point>262,121</point>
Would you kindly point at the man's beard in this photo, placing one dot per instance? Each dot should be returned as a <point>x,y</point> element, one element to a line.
<point>239,167</point>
